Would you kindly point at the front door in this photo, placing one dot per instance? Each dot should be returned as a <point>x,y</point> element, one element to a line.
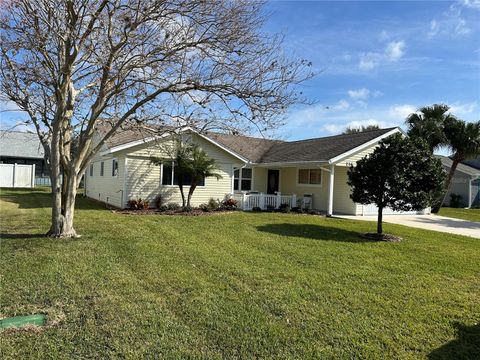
<point>273,180</point>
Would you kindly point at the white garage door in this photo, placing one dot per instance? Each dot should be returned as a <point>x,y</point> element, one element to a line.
<point>373,210</point>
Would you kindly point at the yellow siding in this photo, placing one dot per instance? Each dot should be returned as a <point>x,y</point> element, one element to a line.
<point>342,204</point>
<point>106,188</point>
<point>352,159</point>
<point>144,178</point>
<point>144,181</point>
<point>288,186</point>
<point>260,179</point>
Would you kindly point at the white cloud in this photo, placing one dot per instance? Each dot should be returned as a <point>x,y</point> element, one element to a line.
<point>434,28</point>
<point>395,50</point>
<point>369,61</point>
<point>400,112</point>
<point>340,106</point>
<point>474,4</point>
<point>462,28</point>
<point>459,109</point>
<point>360,94</point>
<point>384,35</point>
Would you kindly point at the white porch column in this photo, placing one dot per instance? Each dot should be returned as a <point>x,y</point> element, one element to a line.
<point>330,190</point>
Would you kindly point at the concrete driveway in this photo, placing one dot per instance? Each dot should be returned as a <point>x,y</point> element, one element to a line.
<point>429,222</point>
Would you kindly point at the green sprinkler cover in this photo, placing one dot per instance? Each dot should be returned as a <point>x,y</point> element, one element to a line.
<point>19,321</point>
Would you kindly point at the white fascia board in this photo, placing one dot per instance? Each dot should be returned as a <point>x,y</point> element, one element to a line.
<point>348,153</point>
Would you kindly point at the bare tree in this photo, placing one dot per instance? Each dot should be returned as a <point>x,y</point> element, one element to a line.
<point>71,64</point>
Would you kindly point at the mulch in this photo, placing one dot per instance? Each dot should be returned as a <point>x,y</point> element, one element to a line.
<point>194,212</point>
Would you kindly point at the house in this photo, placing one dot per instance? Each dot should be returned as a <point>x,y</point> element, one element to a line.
<point>465,182</point>
<point>255,171</point>
<point>24,148</point>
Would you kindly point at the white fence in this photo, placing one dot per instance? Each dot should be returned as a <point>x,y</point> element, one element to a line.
<point>264,201</point>
<point>17,176</point>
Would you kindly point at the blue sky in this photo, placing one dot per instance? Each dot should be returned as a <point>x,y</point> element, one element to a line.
<point>380,60</point>
<point>377,61</point>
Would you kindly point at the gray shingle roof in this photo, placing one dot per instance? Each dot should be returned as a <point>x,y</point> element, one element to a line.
<point>469,170</point>
<point>319,149</point>
<point>20,144</point>
<point>260,150</point>
<point>248,147</point>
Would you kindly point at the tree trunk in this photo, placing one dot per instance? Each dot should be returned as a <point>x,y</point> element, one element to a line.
<point>62,211</point>
<point>190,193</point>
<point>180,186</point>
<point>448,184</point>
<point>379,220</point>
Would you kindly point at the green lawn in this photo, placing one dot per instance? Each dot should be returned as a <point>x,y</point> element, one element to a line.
<point>242,285</point>
<point>465,214</point>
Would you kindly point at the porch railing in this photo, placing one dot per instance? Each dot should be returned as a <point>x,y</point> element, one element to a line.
<point>264,201</point>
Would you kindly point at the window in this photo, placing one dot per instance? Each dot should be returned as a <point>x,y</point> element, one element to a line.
<point>310,176</point>
<point>91,169</point>
<point>170,178</point>
<point>242,179</point>
<point>102,166</point>
<point>114,167</point>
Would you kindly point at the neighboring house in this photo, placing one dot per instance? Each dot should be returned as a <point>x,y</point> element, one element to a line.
<point>475,163</point>
<point>465,182</point>
<point>257,172</point>
<point>25,149</point>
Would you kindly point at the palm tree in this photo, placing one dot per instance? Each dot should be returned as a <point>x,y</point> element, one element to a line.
<point>463,139</point>
<point>181,154</point>
<point>200,166</point>
<point>428,124</point>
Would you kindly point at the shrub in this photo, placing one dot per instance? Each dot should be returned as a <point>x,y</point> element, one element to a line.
<point>285,208</point>
<point>230,203</point>
<point>455,200</point>
<point>270,208</point>
<point>173,206</point>
<point>204,207</point>
<point>213,204</point>
<point>162,208</point>
<point>256,209</point>
<point>297,209</point>
<point>137,204</point>
<point>158,201</point>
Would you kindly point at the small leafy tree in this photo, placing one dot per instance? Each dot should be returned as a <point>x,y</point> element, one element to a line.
<point>400,173</point>
<point>191,163</point>
<point>362,128</point>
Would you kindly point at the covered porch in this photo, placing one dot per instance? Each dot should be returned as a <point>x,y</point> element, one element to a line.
<point>314,185</point>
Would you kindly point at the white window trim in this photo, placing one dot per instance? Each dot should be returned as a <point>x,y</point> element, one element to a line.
<point>310,185</point>
<point>118,170</point>
<point>240,178</point>
<point>173,173</point>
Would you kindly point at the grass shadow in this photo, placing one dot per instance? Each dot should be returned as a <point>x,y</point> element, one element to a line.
<point>465,346</point>
<point>16,236</point>
<point>314,232</point>
<point>40,199</point>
